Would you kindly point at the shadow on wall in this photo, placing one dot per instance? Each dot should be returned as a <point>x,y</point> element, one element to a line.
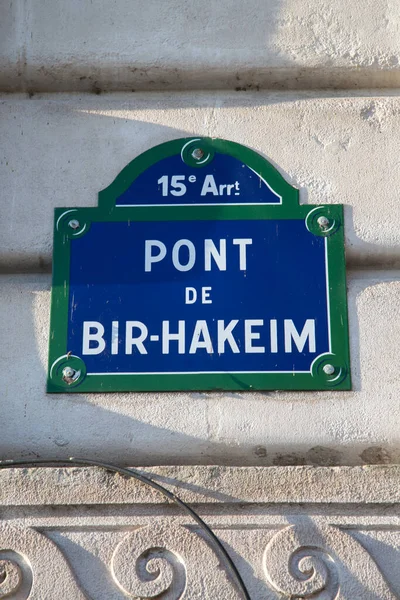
<point>166,45</point>
<point>159,428</point>
<point>340,563</point>
<point>98,426</point>
<point>273,44</point>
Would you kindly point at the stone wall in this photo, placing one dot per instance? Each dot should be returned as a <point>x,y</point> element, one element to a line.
<point>298,532</point>
<point>98,45</point>
<point>85,87</point>
<point>61,149</point>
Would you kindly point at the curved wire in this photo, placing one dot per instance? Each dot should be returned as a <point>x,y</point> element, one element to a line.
<point>4,464</point>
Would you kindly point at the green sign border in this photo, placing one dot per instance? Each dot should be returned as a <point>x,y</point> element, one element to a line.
<point>318,378</point>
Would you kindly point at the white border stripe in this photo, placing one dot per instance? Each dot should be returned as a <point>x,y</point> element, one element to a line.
<point>328,307</point>
<point>203,204</point>
<point>267,184</point>
<point>243,372</point>
<point>202,373</point>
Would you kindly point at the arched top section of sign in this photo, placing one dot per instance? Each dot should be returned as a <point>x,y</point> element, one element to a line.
<point>199,172</point>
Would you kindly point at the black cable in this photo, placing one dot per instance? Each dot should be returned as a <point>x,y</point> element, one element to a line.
<point>6,464</point>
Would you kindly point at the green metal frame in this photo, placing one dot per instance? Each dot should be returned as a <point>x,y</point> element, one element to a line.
<point>290,208</point>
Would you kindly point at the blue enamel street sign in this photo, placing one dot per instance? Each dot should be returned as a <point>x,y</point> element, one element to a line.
<point>199,270</point>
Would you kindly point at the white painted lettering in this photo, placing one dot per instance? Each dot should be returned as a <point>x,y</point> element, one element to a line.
<point>93,336</point>
<point>114,337</point>
<point>201,330</point>
<point>219,256</point>
<point>221,189</point>
<point>242,243</point>
<point>225,335</point>
<point>209,186</point>
<point>137,341</point>
<point>273,334</point>
<point>191,258</point>
<point>168,337</point>
<point>250,335</point>
<point>300,340</point>
<point>205,295</point>
<point>150,258</point>
<point>190,295</point>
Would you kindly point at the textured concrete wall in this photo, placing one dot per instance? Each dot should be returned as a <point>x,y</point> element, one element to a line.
<point>292,532</point>
<point>128,44</point>
<point>267,428</point>
<point>61,149</point>
<point>85,87</point>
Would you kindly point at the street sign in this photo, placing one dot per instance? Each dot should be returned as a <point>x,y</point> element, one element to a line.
<point>199,270</point>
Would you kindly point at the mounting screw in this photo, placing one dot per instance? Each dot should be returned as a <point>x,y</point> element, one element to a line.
<point>323,222</point>
<point>74,224</point>
<point>197,153</point>
<point>328,369</point>
<point>68,373</point>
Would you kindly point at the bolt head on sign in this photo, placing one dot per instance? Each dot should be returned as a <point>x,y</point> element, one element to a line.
<point>199,270</point>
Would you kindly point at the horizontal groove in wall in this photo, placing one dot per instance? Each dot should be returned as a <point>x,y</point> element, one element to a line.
<point>30,265</point>
<point>375,91</point>
<point>349,141</point>
<point>354,272</point>
<point>90,78</point>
